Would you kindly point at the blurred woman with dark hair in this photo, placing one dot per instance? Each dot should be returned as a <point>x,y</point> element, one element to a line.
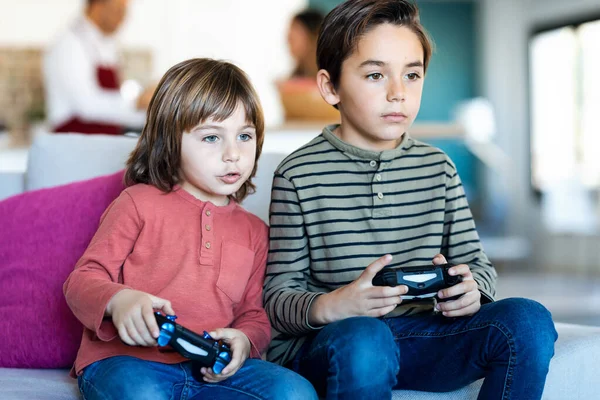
<point>302,41</point>
<point>299,93</point>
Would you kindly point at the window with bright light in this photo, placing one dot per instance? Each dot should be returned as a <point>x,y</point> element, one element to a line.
<point>565,106</point>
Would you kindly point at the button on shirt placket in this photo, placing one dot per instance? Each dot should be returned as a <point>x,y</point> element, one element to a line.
<point>207,245</point>
<point>377,188</point>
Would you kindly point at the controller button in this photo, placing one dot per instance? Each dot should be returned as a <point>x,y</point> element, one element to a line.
<point>163,338</point>
<point>218,368</point>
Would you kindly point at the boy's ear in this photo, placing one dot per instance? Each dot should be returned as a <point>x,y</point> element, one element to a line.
<point>326,88</point>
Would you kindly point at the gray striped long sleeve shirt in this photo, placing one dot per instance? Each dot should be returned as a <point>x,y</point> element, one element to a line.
<point>335,208</point>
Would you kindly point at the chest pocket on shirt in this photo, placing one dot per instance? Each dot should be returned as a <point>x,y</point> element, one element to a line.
<point>235,269</point>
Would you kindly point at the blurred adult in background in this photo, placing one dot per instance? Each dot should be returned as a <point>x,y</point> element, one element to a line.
<point>81,73</point>
<point>299,94</point>
<point>302,42</point>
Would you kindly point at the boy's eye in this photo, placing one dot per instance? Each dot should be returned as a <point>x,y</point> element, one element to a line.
<point>210,138</point>
<point>374,76</point>
<point>244,137</point>
<point>413,76</point>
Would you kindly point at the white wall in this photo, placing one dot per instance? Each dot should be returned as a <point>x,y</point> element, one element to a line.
<point>503,70</point>
<point>504,27</point>
<point>250,33</point>
<point>34,22</point>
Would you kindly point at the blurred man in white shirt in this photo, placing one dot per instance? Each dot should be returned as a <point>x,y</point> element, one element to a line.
<point>81,73</point>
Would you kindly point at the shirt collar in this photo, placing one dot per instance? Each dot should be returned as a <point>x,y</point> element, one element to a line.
<point>366,154</point>
<point>205,204</point>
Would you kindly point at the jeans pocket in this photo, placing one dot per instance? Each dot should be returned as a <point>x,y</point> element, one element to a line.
<point>236,266</point>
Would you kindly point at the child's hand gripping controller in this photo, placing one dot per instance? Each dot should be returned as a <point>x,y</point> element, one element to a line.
<point>206,351</point>
<point>422,282</point>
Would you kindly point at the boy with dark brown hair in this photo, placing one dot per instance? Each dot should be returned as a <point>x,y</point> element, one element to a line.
<point>365,190</point>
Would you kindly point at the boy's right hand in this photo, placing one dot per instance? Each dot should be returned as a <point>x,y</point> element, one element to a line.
<point>359,298</point>
<point>132,314</point>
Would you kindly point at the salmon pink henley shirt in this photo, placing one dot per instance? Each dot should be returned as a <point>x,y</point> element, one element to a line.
<point>209,261</point>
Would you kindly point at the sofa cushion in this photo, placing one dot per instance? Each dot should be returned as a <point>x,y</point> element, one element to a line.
<point>258,203</point>
<point>47,384</point>
<point>64,158</point>
<point>573,375</point>
<point>43,233</point>
<point>574,369</point>
<point>11,183</point>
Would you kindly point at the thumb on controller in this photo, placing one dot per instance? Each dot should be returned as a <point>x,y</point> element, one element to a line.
<point>439,260</point>
<point>162,305</point>
<point>221,334</point>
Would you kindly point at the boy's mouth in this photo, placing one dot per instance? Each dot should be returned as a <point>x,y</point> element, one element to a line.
<point>394,117</point>
<point>230,178</point>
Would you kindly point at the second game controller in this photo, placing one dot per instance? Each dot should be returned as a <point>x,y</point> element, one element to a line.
<point>422,282</point>
<point>203,349</point>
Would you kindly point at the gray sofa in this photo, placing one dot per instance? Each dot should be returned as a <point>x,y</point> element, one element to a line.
<point>58,159</point>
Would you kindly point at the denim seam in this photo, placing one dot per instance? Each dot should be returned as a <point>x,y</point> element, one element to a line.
<point>509,339</point>
<point>88,382</point>
<point>332,362</point>
<point>185,390</point>
<point>79,384</point>
<point>317,348</point>
<point>174,390</point>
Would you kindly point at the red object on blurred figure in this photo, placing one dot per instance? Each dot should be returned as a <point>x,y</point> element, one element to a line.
<point>81,75</point>
<point>108,79</point>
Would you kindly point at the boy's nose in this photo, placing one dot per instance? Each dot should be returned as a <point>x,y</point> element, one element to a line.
<point>396,91</point>
<point>231,153</point>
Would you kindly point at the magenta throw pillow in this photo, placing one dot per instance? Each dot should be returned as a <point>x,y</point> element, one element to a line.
<point>42,235</point>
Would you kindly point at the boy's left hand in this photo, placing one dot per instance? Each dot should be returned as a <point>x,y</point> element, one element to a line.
<point>469,301</point>
<point>240,351</point>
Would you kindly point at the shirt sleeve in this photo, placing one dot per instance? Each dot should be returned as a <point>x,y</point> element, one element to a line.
<point>286,297</point>
<point>460,243</point>
<point>97,275</point>
<point>70,68</point>
<point>249,315</point>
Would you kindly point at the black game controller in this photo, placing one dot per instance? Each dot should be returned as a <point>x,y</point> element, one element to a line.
<point>423,282</point>
<point>203,350</point>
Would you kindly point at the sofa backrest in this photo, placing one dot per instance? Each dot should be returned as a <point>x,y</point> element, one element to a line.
<point>59,159</point>
<point>258,203</point>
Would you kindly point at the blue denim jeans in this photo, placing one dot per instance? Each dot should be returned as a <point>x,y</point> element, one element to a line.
<point>126,378</point>
<point>509,343</point>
